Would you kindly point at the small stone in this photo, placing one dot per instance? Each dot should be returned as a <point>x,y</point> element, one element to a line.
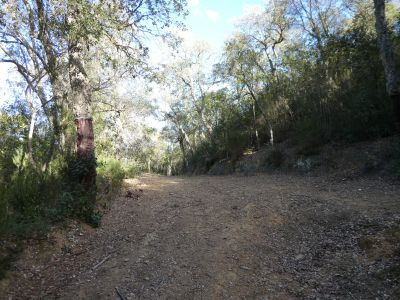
<point>299,257</point>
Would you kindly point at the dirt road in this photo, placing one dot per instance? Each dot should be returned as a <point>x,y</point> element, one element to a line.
<point>231,237</point>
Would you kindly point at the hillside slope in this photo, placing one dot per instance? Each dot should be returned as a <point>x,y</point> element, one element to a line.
<point>379,157</point>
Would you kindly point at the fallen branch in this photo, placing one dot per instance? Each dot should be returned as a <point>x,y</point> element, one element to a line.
<point>120,294</point>
<point>102,262</point>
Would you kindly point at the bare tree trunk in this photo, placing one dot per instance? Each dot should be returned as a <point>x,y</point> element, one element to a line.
<point>271,133</point>
<point>169,168</point>
<point>388,58</point>
<point>183,150</point>
<point>30,137</point>
<point>255,127</point>
<point>28,94</point>
<point>81,102</point>
<point>186,139</point>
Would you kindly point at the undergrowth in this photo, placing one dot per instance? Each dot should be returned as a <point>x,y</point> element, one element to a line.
<point>30,202</point>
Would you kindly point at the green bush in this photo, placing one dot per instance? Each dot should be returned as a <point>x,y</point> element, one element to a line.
<point>111,173</point>
<point>30,202</point>
<point>78,204</point>
<point>24,204</point>
<point>133,168</point>
<point>275,158</point>
<point>309,137</point>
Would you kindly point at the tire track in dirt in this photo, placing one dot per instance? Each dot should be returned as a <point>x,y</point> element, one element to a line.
<point>232,237</point>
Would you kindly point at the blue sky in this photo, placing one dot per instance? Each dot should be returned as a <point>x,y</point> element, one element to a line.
<point>213,20</point>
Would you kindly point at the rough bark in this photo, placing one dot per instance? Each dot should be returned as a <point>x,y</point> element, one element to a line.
<point>85,137</point>
<point>387,55</point>
<point>80,98</point>
<point>183,150</point>
<point>85,151</point>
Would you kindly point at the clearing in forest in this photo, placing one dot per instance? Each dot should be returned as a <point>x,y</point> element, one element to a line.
<point>232,237</point>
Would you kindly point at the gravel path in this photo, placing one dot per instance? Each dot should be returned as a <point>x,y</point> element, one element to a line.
<point>230,237</point>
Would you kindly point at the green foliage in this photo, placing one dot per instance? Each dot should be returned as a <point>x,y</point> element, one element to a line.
<point>78,168</point>
<point>32,201</point>
<point>308,136</point>
<point>133,168</point>
<point>77,203</point>
<point>12,127</point>
<point>111,171</point>
<point>28,191</point>
<point>326,85</point>
<point>25,201</point>
<point>275,158</point>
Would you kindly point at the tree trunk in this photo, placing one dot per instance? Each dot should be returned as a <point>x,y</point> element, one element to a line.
<point>183,150</point>
<point>255,127</point>
<point>28,94</point>
<point>85,152</point>
<point>388,58</point>
<point>169,168</point>
<point>81,103</point>
<point>30,138</point>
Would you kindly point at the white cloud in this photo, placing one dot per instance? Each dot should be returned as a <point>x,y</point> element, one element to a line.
<point>193,2</point>
<point>212,15</point>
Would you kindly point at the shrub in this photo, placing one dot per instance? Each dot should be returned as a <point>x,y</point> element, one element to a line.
<point>275,158</point>
<point>111,173</point>
<point>133,168</point>
<point>309,137</point>
<point>25,202</point>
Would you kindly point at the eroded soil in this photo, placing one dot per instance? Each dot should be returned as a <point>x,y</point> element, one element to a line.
<point>231,237</point>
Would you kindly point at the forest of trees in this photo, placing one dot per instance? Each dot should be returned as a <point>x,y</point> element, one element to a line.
<point>305,71</point>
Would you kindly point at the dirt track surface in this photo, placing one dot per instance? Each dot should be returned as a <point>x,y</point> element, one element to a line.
<point>231,237</point>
